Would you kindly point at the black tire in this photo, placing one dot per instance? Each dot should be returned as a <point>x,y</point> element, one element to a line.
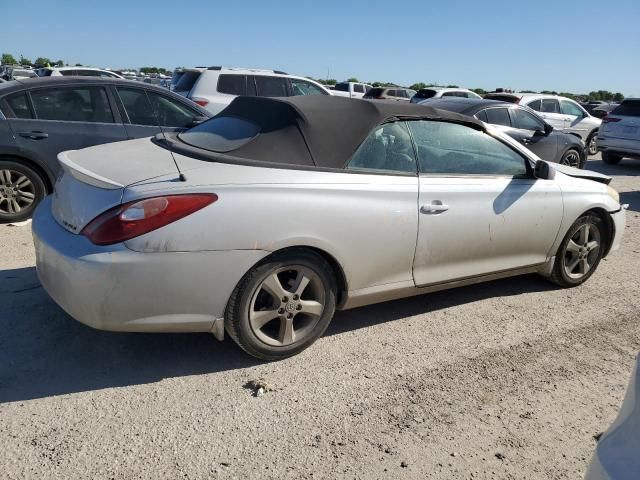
<point>572,158</point>
<point>611,158</point>
<point>250,290</point>
<point>565,255</point>
<point>591,149</point>
<point>18,199</point>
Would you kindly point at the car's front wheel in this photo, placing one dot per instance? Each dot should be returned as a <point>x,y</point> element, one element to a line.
<point>21,189</point>
<point>282,306</point>
<point>571,158</point>
<point>580,252</point>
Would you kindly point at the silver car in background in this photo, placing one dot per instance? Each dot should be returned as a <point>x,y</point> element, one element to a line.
<point>265,219</point>
<point>620,133</point>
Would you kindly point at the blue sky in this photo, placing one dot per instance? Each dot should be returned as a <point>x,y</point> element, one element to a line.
<point>564,45</point>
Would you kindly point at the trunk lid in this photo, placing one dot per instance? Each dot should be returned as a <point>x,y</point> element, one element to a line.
<point>623,122</point>
<point>94,179</point>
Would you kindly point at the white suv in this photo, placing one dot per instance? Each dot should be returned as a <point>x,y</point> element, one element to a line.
<point>438,92</point>
<point>76,72</point>
<point>562,113</point>
<point>215,87</point>
<point>620,133</point>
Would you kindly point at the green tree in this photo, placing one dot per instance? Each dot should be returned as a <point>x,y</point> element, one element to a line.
<point>568,95</point>
<point>618,97</point>
<point>42,61</point>
<point>453,86</point>
<point>418,86</point>
<point>8,59</point>
<point>353,79</point>
<point>527,91</point>
<point>78,65</point>
<point>479,91</point>
<point>60,63</point>
<point>24,61</point>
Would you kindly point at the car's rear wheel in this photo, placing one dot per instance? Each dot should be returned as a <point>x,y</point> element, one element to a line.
<point>282,306</point>
<point>580,252</point>
<point>592,147</point>
<point>611,158</point>
<point>21,189</point>
<point>571,158</point>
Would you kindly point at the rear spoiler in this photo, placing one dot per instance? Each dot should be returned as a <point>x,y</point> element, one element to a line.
<point>84,175</point>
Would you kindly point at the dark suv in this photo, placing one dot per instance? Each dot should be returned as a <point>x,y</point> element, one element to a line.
<point>41,117</point>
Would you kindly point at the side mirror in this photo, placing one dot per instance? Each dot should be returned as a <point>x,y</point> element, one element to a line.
<point>544,171</point>
<point>548,129</point>
<point>198,119</point>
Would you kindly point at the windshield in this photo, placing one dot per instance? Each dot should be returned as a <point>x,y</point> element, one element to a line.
<point>425,93</point>
<point>221,134</point>
<point>186,82</point>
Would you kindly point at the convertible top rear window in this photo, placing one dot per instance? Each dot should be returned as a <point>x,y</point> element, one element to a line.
<point>221,134</point>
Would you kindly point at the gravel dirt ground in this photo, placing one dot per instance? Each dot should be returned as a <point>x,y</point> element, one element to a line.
<point>507,380</point>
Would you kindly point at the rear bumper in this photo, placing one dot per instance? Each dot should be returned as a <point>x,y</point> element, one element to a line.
<point>114,288</point>
<point>628,147</point>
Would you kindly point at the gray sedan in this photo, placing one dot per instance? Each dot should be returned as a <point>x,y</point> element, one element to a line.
<point>264,220</point>
<point>41,117</point>
<point>522,124</point>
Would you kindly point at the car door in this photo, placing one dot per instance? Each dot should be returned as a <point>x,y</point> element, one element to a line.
<point>530,132</point>
<point>480,209</point>
<point>573,118</point>
<point>62,118</point>
<point>144,110</point>
<point>550,112</point>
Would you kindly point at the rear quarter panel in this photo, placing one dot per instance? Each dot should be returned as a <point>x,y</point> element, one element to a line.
<point>368,223</point>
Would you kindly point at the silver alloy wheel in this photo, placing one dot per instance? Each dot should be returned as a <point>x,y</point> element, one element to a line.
<point>287,305</point>
<point>571,158</point>
<point>593,148</point>
<point>582,251</point>
<point>17,192</point>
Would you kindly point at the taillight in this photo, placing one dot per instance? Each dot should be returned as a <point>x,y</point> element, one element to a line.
<point>608,119</point>
<point>203,102</point>
<point>136,218</point>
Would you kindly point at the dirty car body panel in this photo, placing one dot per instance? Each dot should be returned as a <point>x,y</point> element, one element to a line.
<point>300,180</point>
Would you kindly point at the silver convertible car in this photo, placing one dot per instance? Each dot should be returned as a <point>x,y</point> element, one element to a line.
<point>265,219</point>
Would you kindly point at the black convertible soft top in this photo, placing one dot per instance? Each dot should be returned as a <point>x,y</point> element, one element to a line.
<point>314,131</point>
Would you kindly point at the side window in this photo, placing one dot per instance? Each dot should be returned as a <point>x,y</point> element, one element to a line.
<point>169,112</point>
<point>482,116</point>
<point>388,147</point>
<point>535,105</point>
<point>75,104</point>
<point>19,105</point>
<point>358,88</point>
<point>570,108</point>
<point>550,105</point>
<point>232,84</point>
<point>454,149</point>
<point>271,86</point>
<point>498,116</point>
<point>525,121</point>
<point>68,73</point>
<point>302,87</point>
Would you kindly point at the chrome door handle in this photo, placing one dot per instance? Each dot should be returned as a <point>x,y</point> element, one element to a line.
<point>434,208</point>
<point>34,135</point>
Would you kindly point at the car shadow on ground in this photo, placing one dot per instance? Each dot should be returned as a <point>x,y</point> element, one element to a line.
<point>44,352</point>
<point>627,167</point>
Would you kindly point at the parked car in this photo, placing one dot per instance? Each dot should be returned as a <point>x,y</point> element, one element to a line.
<point>76,72</point>
<point>287,209</point>
<point>390,93</point>
<point>620,133</point>
<point>438,92</point>
<point>351,89</point>
<point>603,110</point>
<point>41,117</point>
<point>616,456</point>
<point>562,113</point>
<point>215,87</point>
<point>523,125</point>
